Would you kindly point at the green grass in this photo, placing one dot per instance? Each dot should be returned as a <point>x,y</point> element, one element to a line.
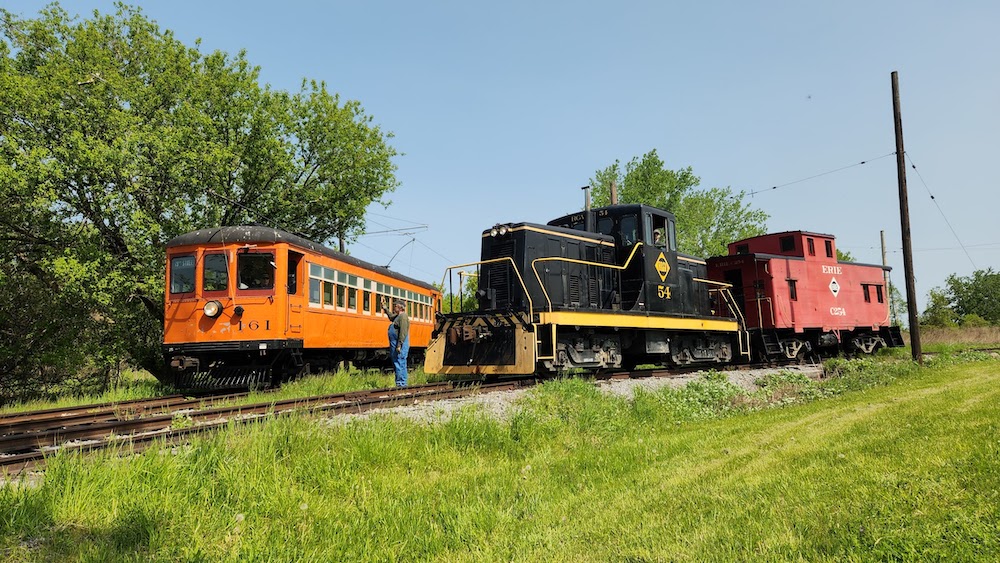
<point>894,463</point>
<point>142,385</point>
<point>131,385</point>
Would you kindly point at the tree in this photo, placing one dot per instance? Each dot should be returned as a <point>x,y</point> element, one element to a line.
<point>978,294</point>
<point>844,256</point>
<point>939,312</point>
<point>116,137</point>
<point>707,220</point>
<point>465,300</point>
<point>898,307</point>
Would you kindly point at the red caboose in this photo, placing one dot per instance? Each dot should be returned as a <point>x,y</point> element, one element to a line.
<point>797,298</point>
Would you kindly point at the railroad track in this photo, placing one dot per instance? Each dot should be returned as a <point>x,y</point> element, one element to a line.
<point>27,439</point>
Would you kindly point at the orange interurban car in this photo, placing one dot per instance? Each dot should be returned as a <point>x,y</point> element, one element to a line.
<point>254,306</point>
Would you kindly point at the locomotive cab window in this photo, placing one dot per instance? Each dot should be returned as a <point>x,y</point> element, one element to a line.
<point>657,233</point>
<point>629,230</point>
<point>605,225</point>
<point>215,273</point>
<point>182,274</point>
<point>256,271</point>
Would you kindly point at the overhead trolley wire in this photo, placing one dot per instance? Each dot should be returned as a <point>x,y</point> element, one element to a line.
<point>828,172</point>
<point>941,211</point>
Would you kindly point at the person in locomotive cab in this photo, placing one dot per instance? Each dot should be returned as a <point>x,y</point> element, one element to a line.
<point>399,339</point>
<point>658,238</point>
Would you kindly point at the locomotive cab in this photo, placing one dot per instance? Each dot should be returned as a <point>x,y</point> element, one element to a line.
<point>656,277</point>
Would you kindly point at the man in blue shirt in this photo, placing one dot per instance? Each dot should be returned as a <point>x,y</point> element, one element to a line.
<point>399,339</point>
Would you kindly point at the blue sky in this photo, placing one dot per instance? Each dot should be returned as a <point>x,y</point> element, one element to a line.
<point>503,110</point>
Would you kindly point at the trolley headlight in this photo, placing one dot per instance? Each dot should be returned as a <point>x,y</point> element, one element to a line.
<point>213,309</point>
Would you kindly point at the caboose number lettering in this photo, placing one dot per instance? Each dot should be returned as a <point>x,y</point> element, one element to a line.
<point>663,291</point>
<point>838,311</point>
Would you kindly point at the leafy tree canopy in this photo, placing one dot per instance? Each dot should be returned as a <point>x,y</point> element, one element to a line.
<point>978,295</point>
<point>939,312</point>
<point>707,220</point>
<point>116,137</point>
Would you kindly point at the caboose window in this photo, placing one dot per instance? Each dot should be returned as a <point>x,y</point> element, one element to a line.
<point>868,295</point>
<point>878,294</point>
<point>215,274</point>
<point>256,271</point>
<point>793,294</point>
<point>829,248</point>
<point>787,244</point>
<point>182,274</point>
<point>812,246</point>
<point>742,249</point>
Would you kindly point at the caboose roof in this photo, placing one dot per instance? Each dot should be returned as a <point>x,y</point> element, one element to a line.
<point>248,234</point>
<point>784,234</point>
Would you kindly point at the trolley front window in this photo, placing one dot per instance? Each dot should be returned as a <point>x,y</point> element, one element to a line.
<point>182,274</point>
<point>256,271</point>
<point>216,273</point>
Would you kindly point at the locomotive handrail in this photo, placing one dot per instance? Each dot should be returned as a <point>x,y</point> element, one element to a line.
<point>513,266</point>
<point>744,334</point>
<point>575,261</point>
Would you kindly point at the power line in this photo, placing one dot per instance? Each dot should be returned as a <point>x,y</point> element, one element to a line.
<point>449,260</point>
<point>828,172</point>
<point>941,211</point>
<point>394,218</point>
<point>375,250</point>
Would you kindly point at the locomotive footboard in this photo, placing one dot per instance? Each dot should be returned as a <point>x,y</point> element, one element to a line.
<point>482,344</point>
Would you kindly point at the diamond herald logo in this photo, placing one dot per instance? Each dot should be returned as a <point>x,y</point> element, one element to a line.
<point>834,286</point>
<point>662,267</point>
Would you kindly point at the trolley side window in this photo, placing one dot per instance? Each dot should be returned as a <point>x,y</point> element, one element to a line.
<point>256,271</point>
<point>182,274</point>
<point>215,273</point>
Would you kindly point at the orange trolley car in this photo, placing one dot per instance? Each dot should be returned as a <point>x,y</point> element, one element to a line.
<point>255,305</point>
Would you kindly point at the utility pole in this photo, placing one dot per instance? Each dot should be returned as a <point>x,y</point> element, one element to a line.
<point>614,192</point>
<point>904,222</point>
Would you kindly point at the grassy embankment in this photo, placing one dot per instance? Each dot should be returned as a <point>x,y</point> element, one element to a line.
<point>896,462</point>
